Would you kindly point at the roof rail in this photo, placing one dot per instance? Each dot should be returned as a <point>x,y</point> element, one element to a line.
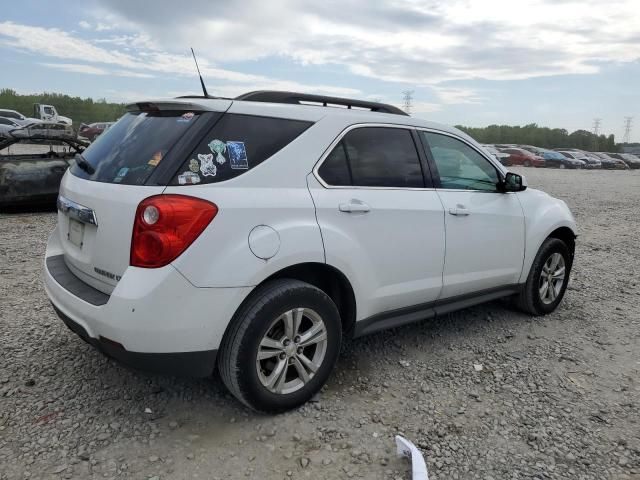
<point>274,96</point>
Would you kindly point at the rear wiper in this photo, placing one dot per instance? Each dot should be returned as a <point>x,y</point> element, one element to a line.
<point>83,164</point>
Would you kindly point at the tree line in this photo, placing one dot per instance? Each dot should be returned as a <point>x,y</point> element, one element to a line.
<point>80,110</point>
<point>87,110</point>
<point>543,137</point>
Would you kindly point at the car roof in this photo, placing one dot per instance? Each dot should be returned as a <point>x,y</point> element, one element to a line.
<point>311,113</point>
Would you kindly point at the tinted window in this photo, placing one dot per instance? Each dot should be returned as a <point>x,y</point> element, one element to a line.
<point>460,166</point>
<point>129,151</point>
<point>383,157</point>
<point>4,121</point>
<point>235,144</point>
<point>335,169</point>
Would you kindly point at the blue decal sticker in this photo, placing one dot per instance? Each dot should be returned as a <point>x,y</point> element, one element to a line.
<point>237,155</point>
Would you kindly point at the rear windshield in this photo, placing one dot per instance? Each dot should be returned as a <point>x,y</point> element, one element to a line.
<point>130,150</point>
<point>235,144</point>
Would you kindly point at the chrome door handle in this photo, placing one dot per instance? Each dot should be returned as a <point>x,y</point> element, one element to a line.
<point>354,206</point>
<point>459,211</point>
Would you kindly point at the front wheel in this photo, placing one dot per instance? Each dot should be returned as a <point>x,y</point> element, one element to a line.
<point>281,346</point>
<point>527,163</point>
<point>547,280</point>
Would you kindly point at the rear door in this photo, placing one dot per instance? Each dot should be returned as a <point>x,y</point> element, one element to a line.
<point>381,221</point>
<point>484,228</point>
<point>101,191</point>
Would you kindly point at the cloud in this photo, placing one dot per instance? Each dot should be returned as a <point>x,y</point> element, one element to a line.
<point>419,42</point>
<point>142,61</point>
<point>456,96</point>
<point>93,70</point>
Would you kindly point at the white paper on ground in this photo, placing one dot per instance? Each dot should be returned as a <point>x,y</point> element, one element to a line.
<point>409,450</point>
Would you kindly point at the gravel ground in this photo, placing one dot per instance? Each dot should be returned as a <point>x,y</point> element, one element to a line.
<point>485,393</point>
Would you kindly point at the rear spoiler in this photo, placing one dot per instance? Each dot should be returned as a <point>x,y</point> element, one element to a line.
<point>208,105</point>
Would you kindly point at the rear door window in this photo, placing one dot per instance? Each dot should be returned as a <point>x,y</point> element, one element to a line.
<point>235,144</point>
<point>374,157</point>
<point>335,168</point>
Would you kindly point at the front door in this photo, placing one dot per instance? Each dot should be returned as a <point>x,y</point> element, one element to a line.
<point>484,228</point>
<point>381,224</point>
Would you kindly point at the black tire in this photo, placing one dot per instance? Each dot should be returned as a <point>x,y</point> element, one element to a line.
<point>527,163</point>
<point>529,300</point>
<point>239,349</point>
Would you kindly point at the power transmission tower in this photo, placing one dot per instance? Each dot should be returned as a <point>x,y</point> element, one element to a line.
<point>596,132</point>
<point>407,97</point>
<point>627,129</point>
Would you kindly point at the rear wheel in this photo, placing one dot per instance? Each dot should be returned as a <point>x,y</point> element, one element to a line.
<point>547,280</point>
<point>281,346</point>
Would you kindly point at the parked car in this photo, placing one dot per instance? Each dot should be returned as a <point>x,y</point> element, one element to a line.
<point>6,125</point>
<point>632,161</point>
<point>43,130</point>
<point>590,161</point>
<point>16,116</point>
<point>518,156</point>
<point>610,163</point>
<point>253,234</point>
<point>502,157</point>
<point>535,150</point>
<point>558,160</point>
<point>92,130</point>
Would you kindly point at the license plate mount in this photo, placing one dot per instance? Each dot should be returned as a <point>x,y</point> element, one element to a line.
<point>76,233</point>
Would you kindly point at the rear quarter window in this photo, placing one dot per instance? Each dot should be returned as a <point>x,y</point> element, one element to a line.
<point>235,144</point>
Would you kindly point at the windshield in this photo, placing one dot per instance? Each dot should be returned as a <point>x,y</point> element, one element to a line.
<point>132,148</point>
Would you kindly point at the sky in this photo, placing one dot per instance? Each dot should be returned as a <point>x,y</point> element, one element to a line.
<point>557,63</point>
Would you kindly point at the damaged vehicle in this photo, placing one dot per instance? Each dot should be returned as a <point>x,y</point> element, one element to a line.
<point>251,235</point>
<point>30,173</point>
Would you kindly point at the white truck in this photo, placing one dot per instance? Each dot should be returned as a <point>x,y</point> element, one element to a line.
<point>49,112</point>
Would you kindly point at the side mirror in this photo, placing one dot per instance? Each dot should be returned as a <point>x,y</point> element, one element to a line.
<point>513,183</point>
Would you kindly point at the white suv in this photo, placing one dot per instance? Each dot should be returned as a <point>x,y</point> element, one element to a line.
<point>254,234</point>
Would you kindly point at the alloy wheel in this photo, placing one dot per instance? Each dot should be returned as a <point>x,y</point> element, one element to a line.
<point>291,351</point>
<point>552,278</point>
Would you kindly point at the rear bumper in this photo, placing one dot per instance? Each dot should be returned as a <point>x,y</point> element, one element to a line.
<point>154,319</point>
<point>185,364</point>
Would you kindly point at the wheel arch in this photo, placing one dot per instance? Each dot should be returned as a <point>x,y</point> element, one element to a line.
<point>568,236</point>
<point>325,277</point>
<point>331,281</point>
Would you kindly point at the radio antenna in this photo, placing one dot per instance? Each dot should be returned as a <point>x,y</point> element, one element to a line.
<point>204,89</point>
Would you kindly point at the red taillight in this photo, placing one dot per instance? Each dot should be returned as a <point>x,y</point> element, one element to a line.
<point>165,225</point>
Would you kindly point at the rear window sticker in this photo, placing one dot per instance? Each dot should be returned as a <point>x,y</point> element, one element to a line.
<point>155,159</point>
<point>218,147</point>
<point>186,117</point>
<point>207,167</point>
<point>194,166</point>
<point>188,178</point>
<point>237,155</point>
<point>121,174</point>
